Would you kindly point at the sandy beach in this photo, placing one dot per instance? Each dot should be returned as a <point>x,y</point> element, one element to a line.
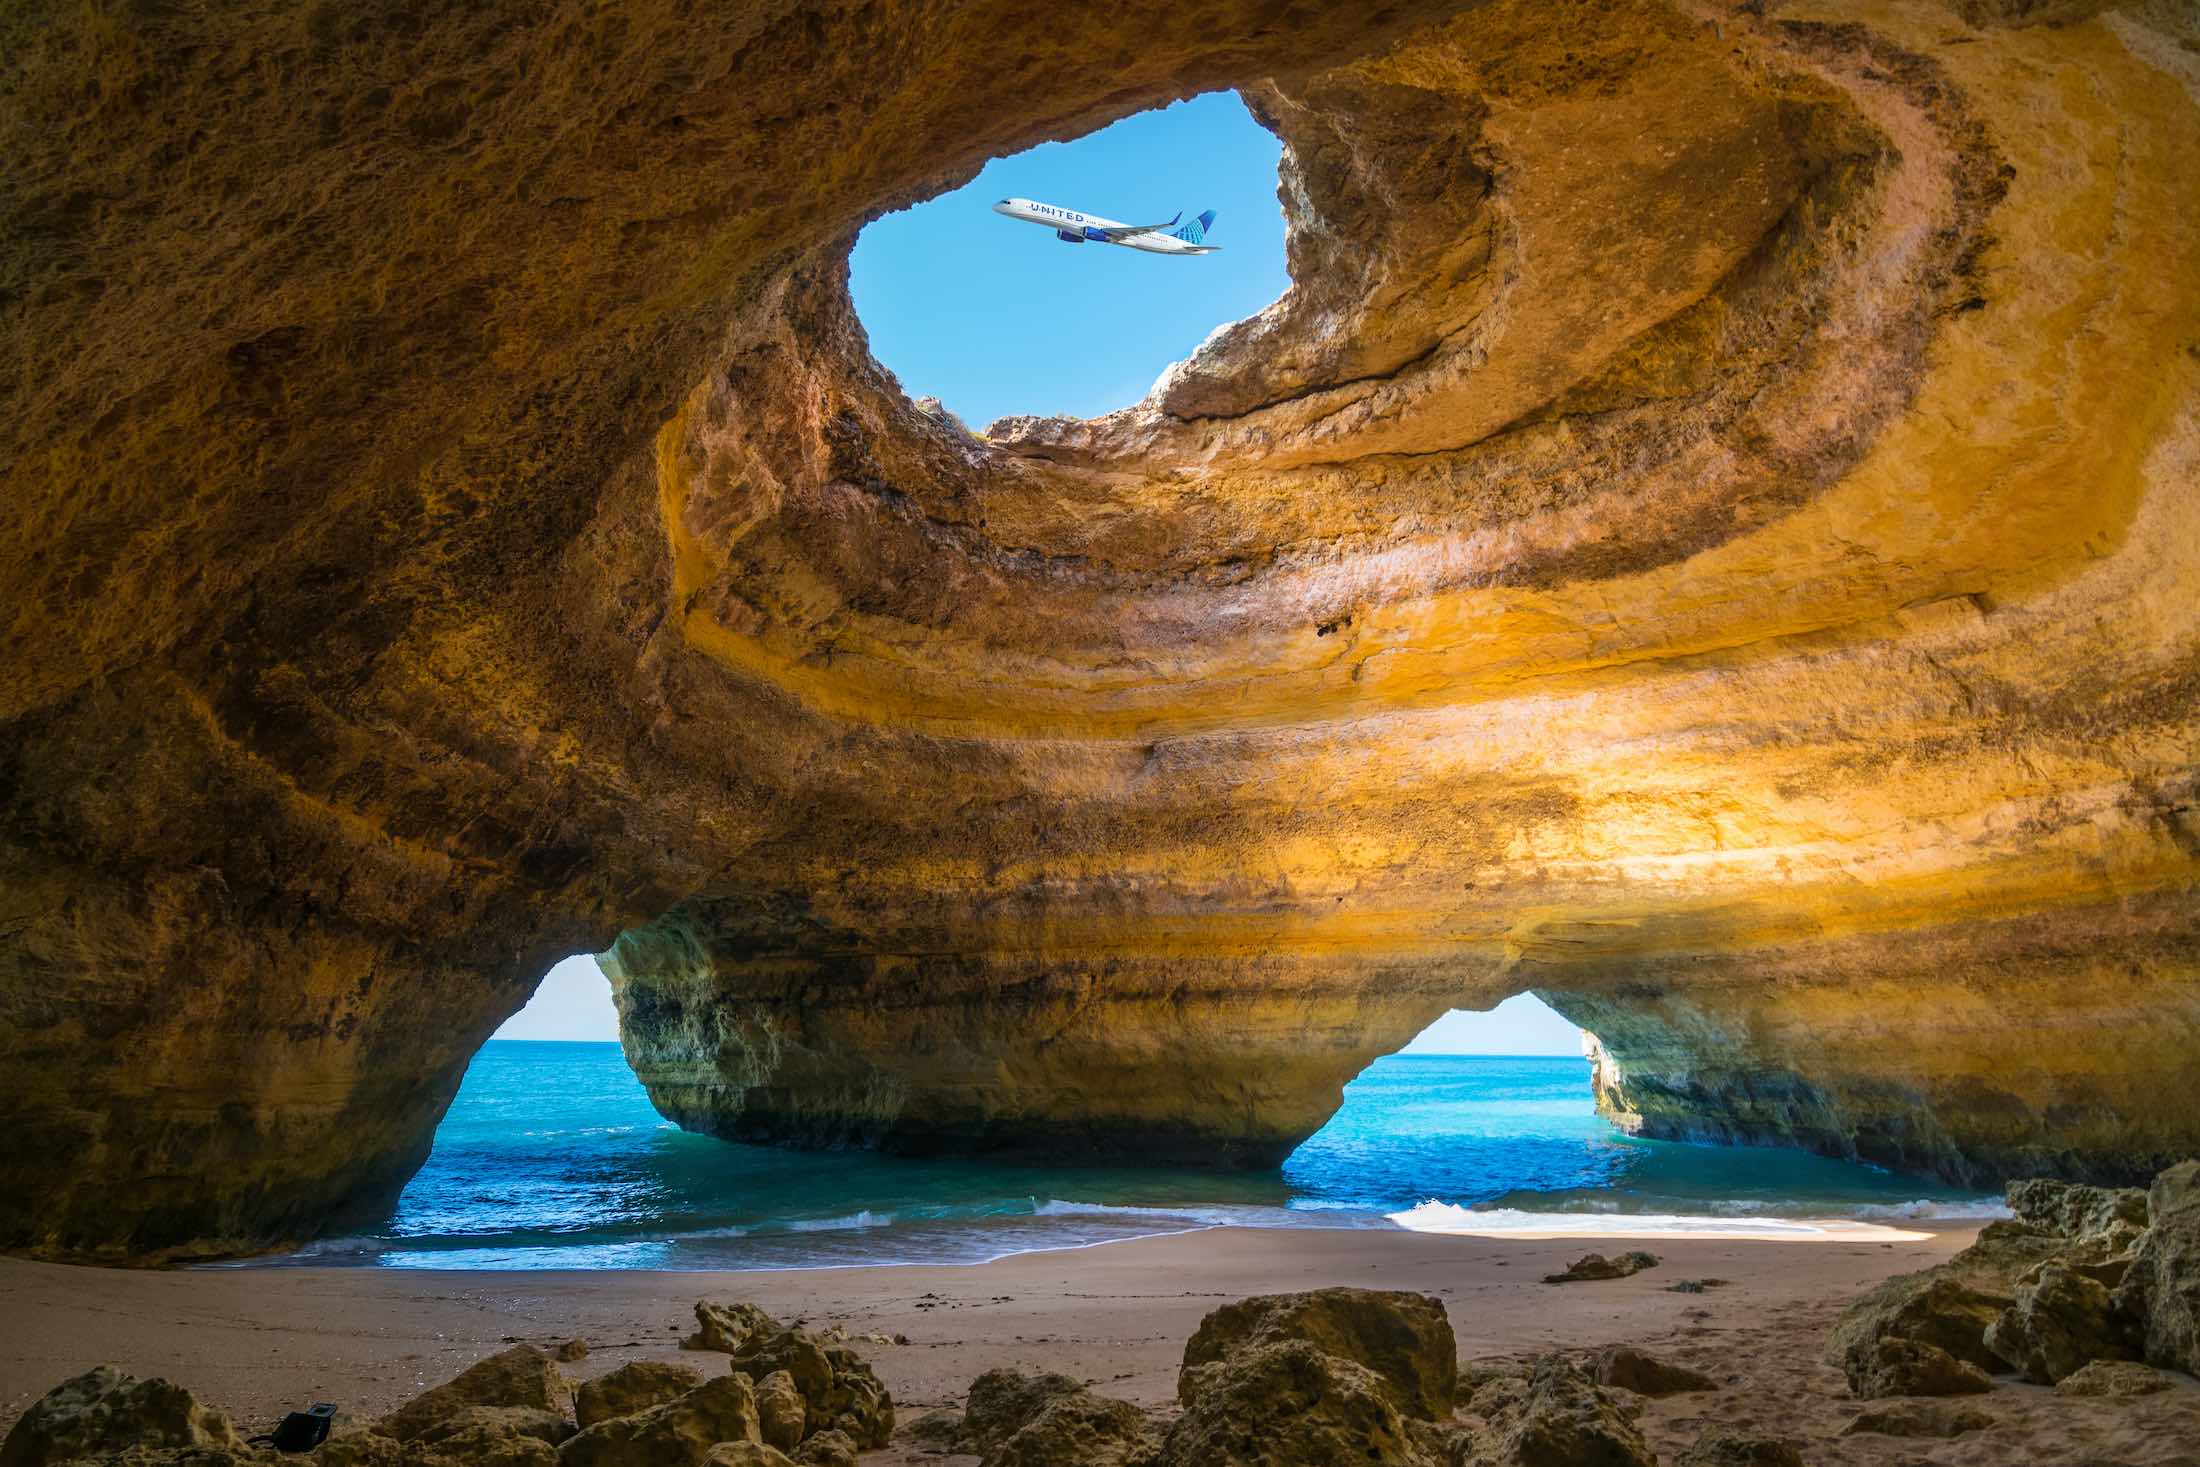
<point>256,1341</point>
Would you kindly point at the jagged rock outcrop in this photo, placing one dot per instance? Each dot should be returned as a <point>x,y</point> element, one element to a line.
<point>1933,1419</point>
<point>680,1432</point>
<point>2116,1378</point>
<point>521,1379</point>
<point>1558,1417</point>
<point>1709,537</point>
<point>2159,1295</point>
<point>2059,1322</point>
<point>727,1325</point>
<point>1924,1333</point>
<point>633,1387</point>
<point>1733,1449</point>
<point>104,1410</point>
<point>1404,1338</point>
<point>1013,1420</point>
<point>1629,1367</point>
<point>837,1388</point>
<point>2069,1285</point>
<point>507,1411</point>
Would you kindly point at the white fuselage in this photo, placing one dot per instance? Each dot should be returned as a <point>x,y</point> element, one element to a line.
<point>1071,221</point>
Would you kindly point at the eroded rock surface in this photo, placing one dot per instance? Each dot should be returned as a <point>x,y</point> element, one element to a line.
<point>104,1410</point>
<point>1559,1417</point>
<point>2159,1296</point>
<point>632,1387</point>
<point>2059,1322</point>
<point>1404,1338</point>
<point>680,1432</point>
<point>1924,1333</point>
<point>1733,1449</point>
<point>2116,1378</point>
<point>1591,1267</point>
<point>1014,1420</point>
<point>522,1378</point>
<point>1709,537</point>
<point>1632,1368</point>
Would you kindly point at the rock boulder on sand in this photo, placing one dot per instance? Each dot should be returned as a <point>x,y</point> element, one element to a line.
<point>677,1433</point>
<point>747,1454</point>
<point>496,1421</point>
<point>1560,1419</point>
<point>2004,1250</point>
<point>521,1376</point>
<point>1596,1266</point>
<point>839,1390</point>
<point>2059,1321</point>
<point>1935,1419</point>
<point>1894,1365</point>
<point>2159,1296</point>
<point>1404,1338</point>
<point>635,1386</point>
<point>827,1448</point>
<point>2074,1209</point>
<point>482,1445</point>
<point>1727,1449</point>
<point>2113,1378</point>
<point>1631,1369</point>
<point>780,1412</point>
<point>727,1327</point>
<point>1079,1429</point>
<point>998,1406</point>
<point>1893,1340</point>
<point>1010,1417</point>
<point>1286,1403</point>
<point>104,1410</point>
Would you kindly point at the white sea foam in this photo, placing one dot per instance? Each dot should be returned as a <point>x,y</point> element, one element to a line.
<point>845,1223</point>
<point>1058,1207</point>
<point>1984,1209</point>
<point>1449,1217</point>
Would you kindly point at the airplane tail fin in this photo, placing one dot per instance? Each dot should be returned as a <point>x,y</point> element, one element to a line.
<point>1196,231</point>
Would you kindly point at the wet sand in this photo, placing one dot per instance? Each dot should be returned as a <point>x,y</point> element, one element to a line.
<point>258,1341</point>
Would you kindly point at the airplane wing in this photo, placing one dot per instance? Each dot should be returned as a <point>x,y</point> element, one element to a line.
<point>1125,231</point>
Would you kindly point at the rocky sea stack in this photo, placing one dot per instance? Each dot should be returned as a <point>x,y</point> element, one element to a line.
<point>1711,536</point>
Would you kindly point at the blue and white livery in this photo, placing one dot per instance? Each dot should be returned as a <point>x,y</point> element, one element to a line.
<point>1071,227</point>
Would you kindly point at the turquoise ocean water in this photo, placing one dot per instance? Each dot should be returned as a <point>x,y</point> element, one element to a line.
<point>552,1157</point>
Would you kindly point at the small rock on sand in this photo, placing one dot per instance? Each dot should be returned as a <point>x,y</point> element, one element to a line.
<point>2113,1378</point>
<point>1918,1419</point>
<point>1725,1449</point>
<point>1645,1374</point>
<point>1597,1266</point>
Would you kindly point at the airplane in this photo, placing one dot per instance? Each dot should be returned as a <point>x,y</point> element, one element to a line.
<point>1071,227</point>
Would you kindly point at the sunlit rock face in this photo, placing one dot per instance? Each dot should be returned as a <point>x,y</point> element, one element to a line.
<point>1711,536</point>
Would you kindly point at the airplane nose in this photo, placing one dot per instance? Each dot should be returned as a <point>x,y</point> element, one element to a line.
<point>1001,207</point>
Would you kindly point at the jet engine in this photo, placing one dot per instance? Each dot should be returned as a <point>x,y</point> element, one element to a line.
<point>1069,236</point>
<point>1099,235</point>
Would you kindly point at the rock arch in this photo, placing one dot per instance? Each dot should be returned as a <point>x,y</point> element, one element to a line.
<point>1710,536</point>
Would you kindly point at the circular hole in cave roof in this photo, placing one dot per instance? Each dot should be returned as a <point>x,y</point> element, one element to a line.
<point>997,317</point>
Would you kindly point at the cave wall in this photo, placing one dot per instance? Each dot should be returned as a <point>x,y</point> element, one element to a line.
<point>1710,536</point>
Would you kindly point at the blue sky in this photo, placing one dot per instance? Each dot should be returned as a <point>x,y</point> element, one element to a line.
<point>996,317</point>
<point>574,1002</point>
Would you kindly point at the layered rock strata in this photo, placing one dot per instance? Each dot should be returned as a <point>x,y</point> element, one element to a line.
<point>1710,537</point>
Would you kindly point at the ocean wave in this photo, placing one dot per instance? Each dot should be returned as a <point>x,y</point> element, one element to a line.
<point>847,1222</point>
<point>1983,1209</point>
<point>1058,1207</point>
<point>1449,1217</point>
